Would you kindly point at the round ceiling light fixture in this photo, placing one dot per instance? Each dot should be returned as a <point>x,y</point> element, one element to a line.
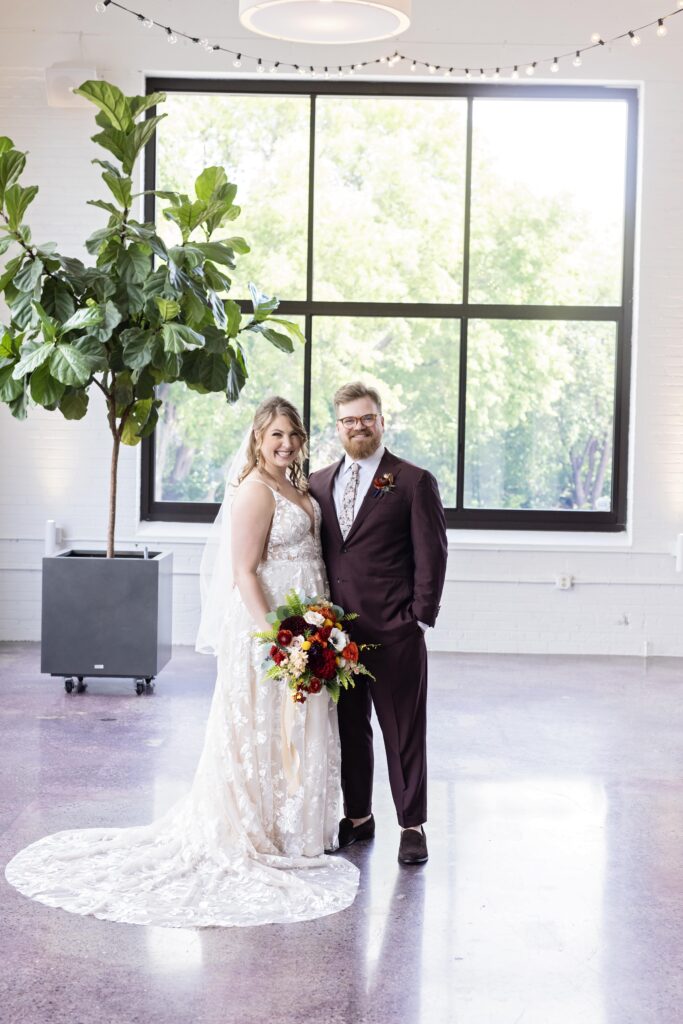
<point>326,21</point>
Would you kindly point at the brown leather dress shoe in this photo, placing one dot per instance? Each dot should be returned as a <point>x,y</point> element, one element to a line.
<point>413,847</point>
<point>349,834</point>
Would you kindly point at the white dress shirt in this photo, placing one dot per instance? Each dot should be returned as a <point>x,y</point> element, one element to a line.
<point>367,473</point>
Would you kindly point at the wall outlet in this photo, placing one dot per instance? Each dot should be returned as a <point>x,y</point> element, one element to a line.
<point>564,582</point>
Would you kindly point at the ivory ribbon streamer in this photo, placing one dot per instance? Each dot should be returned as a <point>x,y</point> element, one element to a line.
<point>291,762</point>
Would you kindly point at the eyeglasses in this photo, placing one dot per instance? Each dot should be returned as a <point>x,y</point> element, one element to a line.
<point>349,422</point>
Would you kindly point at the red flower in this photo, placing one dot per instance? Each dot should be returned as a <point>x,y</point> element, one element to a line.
<point>324,633</point>
<point>285,637</point>
<point>296,624</point>
<point>277,655</point>
<point>350,652</point>
<point>324,664</point>
<point>315,686</point>
<point>299,697</point>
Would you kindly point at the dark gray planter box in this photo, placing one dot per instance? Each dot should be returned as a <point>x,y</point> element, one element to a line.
<point>106,616</point>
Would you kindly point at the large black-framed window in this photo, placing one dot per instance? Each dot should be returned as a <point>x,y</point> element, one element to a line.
<point>501,380</point>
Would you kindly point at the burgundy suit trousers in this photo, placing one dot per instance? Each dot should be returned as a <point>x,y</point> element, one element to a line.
<point>399,696</point>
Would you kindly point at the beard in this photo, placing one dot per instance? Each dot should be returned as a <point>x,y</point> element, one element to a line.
<point>363,445</point>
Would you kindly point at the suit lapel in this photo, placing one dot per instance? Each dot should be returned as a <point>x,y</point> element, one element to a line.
<point>370,501</point>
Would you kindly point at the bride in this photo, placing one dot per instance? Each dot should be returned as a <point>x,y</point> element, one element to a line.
<point>246,845</point>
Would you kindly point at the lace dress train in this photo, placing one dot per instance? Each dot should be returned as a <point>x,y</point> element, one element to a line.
<point>243,847</point>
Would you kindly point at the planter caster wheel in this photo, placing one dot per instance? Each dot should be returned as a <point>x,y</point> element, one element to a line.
<point>149,685</point>
<point>68,685</point>
<point>82,687</point>
<point>139,687</point>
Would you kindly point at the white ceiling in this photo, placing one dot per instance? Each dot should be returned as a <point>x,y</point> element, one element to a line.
<point>459,32</point>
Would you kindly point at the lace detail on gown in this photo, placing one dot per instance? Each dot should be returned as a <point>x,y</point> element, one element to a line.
<point>238,849</point>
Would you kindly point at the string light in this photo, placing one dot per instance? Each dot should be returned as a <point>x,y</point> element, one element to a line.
<point>391,60</point>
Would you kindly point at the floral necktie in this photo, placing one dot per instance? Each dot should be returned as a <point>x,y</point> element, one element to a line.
<point>349,500</point>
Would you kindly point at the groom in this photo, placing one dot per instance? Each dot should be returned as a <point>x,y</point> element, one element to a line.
<point>384,543</point>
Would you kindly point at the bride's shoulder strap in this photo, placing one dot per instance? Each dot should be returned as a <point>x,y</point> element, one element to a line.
<point>255,480</point>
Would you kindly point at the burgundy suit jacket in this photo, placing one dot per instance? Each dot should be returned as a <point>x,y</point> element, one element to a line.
<point>392,565</point>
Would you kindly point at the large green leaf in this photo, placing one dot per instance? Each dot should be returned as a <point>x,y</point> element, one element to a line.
<point>209,181</point>
<point>45,390</point>
<point>138,138</point>
<point>88,316</point>
<point>281,341</point>
<point>110,100</point>
<point>111,318</point>
<point>5,144</point>
<point>264,305</point>
<point>238,244</point>
<point>48,323</point>
<point>134,264</point>
<point>218,252</point>
<point>115,141</point>
<point>234,315</point>
<point>9,387</point>
<point>119,187</point>
<point>99,238</point>
<point>178,337</point>
<point>17,200</point>
<point>138,104</point>
<point>5,243</point>
<point>32,356</point>
<point>56,299</point>
<point>168,308</point>
<point>291,327</point>
<point>136,421</point>
<point>10,270</point>
<point>94,351</point>
<point>28,277</point>
<point>74,405</point>
<point>12,164</point>
<point>69,365</point>
<point>214,279</point>
<point>138,347</point>
<point>19,407</point>
<point>101,205</point>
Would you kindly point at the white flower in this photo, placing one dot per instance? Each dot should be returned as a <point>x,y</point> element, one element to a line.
<point>297,662</point>
<point>338,639</point>
<point>314,618</point>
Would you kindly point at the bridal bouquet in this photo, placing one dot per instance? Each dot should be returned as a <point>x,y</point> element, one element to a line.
<point>309,647</point>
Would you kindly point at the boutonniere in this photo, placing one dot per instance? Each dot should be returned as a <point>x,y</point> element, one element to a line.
<point>383,484</point>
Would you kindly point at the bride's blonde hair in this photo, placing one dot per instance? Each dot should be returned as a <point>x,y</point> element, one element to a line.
<point>263,417</point>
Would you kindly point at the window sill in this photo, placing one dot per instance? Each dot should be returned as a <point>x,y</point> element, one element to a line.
<point>537,540</point>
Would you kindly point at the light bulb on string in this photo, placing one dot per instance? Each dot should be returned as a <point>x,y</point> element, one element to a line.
<point>259,66</point>
<point>577,62</point>
<point>101,7</point>
<point>204,43</point>
<point>635,38</point>
<point>496,73</point>
<point>482,73</point>
<point>468,73</point>
<point>413,66</point>
<point>661,28</point>
<point>531,69</point>
<point>274,67</point>
<point>237,63</point>
<point>432,69</point>
<point>515,72</point>
<point>171,37</point>
<point>148,23</point>
<point>359,67</point>
<point>555,66</point>
<point>596,38</point>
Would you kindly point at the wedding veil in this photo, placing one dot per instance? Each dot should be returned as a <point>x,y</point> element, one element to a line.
<point>215,571</point>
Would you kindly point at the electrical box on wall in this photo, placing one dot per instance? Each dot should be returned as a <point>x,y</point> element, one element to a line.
<point>60,81</point>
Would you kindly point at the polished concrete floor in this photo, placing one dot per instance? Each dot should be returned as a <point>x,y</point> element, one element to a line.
<point>553,893</point>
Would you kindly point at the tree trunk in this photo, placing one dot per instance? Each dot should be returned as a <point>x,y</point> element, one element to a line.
<point>112,495</point>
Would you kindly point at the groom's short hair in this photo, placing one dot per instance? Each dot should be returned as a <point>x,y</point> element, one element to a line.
<point>350,392</point>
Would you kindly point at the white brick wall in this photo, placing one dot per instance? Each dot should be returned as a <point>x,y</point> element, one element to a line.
<point>499,593</point>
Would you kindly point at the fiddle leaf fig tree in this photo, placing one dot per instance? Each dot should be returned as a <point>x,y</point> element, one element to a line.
<point>144,313</point>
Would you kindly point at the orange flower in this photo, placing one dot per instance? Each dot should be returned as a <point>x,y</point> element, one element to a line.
<point>350,652</point>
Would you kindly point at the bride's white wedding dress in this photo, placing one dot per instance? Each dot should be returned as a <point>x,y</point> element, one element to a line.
<point>239,848</point>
